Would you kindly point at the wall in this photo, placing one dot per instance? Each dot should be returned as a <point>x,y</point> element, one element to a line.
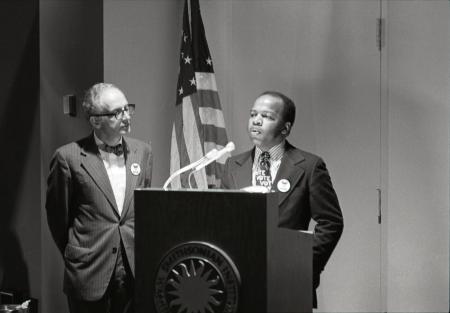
<point>142,42</point>
<point>19,125</point>
<point>71,58</point>
<point>418,82</point>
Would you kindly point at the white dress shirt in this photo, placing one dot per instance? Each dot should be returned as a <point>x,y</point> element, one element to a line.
<point>115,167</point>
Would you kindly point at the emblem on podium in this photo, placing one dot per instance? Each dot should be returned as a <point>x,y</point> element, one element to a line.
<point>196,277</point>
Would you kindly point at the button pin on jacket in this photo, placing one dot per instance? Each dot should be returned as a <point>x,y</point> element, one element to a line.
<point>283,185</point>
<point>135,169</point>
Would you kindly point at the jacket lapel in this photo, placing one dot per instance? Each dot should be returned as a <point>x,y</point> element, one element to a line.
<point>131,157</point>
<point>92,163</point>
<point>242,176</point>
<point>290,169</point>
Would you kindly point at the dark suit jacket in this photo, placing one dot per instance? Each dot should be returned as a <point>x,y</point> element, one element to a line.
<point>83,217</point>
<point>311,195</point>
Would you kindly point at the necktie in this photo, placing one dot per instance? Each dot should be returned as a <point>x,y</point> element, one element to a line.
<point>117,149</point>
<point>263,176</point>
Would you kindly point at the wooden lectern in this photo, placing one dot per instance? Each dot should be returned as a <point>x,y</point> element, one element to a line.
<point>218,251</point>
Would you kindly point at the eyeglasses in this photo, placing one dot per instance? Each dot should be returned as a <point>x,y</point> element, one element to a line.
<point>119,113</point>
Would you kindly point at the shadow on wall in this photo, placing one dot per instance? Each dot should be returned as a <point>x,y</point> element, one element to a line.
<point>16,124</point>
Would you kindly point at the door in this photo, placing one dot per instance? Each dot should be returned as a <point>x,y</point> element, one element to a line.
<point>417,224</point>
<point>345,115</point>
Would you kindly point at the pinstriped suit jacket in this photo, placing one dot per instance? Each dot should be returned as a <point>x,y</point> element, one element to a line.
<point>311,195</point>
<point>83,217</point>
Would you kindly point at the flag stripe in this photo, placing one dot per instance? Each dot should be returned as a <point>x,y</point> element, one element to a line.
<point>214,134</point>
<point>208,99</point>
<point>181,148</point>
<point>205,81</point>
<point>175,159</point>
<point>192,140</point>
<point>210,116</point>
<point>192,129</point>
<point>181,145</point>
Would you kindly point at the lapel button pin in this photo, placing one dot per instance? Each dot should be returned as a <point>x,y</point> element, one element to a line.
<point>283,185</point>
<point>135,169</point>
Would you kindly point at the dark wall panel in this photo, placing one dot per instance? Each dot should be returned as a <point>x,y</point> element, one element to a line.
<point>71,58</point>
<point>20,157</point>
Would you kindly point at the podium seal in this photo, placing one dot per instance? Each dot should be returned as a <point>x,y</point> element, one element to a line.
<point>196,277</point>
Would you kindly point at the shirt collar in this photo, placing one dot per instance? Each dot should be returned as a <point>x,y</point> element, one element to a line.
<point>99,142</point>
<point>276,152</point>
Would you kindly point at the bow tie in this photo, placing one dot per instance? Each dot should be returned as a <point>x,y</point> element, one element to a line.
<point>117,149</point>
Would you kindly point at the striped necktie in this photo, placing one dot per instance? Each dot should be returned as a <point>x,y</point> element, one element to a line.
<point>263,177</point>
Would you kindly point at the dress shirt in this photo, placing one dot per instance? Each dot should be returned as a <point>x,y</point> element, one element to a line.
<point>115,167</point>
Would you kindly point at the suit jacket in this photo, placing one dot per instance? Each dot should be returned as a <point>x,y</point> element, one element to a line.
<point>311,195</point>
<point>83,217</point>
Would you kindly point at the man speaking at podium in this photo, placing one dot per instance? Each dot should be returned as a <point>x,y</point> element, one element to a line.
<point>90,204</point>
<point>301,178</point>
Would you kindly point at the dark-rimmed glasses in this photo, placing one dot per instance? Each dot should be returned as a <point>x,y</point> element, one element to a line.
<point>119,113</point>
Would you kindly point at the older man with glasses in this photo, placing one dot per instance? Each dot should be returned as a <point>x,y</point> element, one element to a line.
<point>90,205</point>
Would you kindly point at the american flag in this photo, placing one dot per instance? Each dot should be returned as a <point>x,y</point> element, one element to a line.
<point>199,125</point>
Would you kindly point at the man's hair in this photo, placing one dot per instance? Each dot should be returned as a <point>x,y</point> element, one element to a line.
<point>92,97</point>
<point>288,105</point>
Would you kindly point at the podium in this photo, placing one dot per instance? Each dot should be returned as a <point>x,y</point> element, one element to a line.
<point>218,251</point>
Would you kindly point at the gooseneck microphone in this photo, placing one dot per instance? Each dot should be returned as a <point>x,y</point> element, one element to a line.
<point>207,156</point>
<point>228,148</point>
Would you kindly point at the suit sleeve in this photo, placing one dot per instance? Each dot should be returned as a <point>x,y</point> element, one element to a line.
<point>59,191</point>
<point>325,210</point>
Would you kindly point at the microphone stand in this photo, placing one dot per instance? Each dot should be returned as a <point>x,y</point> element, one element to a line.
<point>188,167</point>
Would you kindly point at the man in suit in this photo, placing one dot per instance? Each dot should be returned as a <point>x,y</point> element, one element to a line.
<point>90,205</point>
<point>301,178</point>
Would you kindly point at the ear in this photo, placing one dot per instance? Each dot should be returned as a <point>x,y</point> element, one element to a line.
<point>287,128</point>
<point>94,121</point>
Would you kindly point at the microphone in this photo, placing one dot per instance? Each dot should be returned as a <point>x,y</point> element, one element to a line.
<point>207,156</point>
<point>228,148</point>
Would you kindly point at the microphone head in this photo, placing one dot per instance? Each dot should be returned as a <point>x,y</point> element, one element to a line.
<point>217,154</point>
<point>211,153</point>
<point>230,146</point>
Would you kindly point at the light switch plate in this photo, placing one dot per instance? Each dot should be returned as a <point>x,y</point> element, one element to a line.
<point>70,105</point>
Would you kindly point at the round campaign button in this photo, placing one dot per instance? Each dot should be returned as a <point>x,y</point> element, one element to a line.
<point>283,185</point>
<point>135,169</point>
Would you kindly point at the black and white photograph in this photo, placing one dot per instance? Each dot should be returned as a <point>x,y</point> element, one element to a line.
<point>225,156</point>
